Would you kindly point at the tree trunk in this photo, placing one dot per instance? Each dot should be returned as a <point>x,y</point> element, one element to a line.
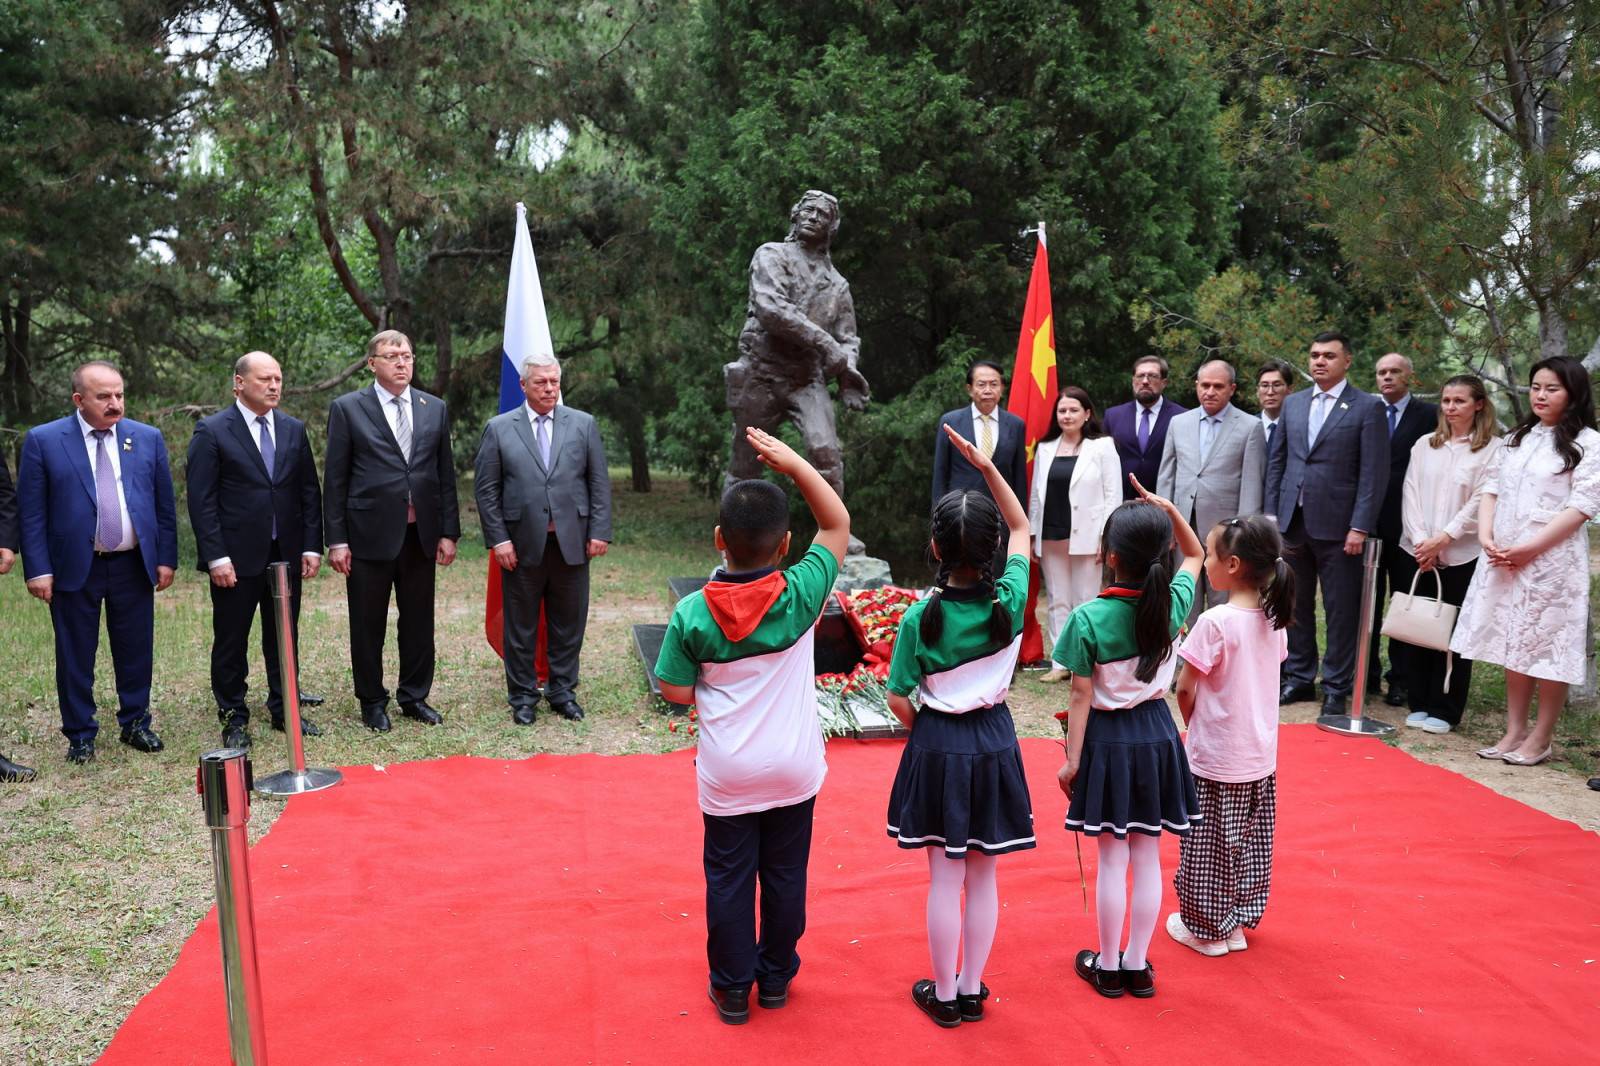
<point>16,321</point>
<point>443,347</point>
<point>638,453</point>
<point>1552,330</point>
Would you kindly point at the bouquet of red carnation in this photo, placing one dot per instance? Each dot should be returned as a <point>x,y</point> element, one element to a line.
<point>875,613</point>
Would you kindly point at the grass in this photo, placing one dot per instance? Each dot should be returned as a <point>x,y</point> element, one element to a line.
<point>105,869</point>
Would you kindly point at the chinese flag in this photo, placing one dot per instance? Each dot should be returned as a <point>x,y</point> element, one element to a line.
<point>1033,391</point>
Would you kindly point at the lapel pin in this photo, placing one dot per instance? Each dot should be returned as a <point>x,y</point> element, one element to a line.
<point>422,401</point>
<point>1344,407</point>
<point>127,444</point>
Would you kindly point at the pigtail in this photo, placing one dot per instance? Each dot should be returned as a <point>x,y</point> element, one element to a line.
<point>932,623</point>
<point>1152,620</point>
<point>1277,596</point>
<point>999,617</point>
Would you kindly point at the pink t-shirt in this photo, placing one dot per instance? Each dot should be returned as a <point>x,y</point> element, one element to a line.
<point>1233,733</point>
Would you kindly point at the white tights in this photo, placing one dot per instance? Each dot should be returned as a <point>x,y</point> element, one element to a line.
<point>949,932</point>
<point>1111,898</point>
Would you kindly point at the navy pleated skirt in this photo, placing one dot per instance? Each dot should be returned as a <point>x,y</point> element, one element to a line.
<point>960,785</point>
<point>1133,776</point>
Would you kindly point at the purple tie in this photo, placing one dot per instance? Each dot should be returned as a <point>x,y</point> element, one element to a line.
<point>1144,428</point>
<point>108,530</point>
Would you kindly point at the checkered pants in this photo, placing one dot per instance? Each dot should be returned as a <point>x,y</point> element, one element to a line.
<point>1225,860</point>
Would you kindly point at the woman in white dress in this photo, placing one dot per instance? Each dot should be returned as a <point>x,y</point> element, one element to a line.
<point>1528,606</point>
<point>1077,482</point>
<point>1439,508</point>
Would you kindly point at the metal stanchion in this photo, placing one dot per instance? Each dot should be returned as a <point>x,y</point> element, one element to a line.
<point>297,778</point>
<point>1356,724</point>
<point>224,785</point>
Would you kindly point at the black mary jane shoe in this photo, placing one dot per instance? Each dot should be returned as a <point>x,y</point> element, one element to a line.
<point>946,1013</point>
<point>1141,983</point>
<point>1106,982</point>
<point>972,1006</point>
<point>733,1004</point>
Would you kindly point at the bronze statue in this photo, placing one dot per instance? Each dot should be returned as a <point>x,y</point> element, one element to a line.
<point>800,333</point>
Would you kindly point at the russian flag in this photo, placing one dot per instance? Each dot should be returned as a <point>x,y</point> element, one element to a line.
<point>527,333</point>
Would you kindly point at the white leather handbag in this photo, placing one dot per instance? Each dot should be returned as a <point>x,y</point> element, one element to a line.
<point>1423,621</point>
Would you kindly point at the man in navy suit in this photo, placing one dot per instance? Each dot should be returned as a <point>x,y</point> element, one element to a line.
<point>1408,420</point>
<point>10,542</point>
<point>1326,475</point>
<point>1140,426</point>
<point>253,500</point>
<point>99,527</point>
<point>985,383</point>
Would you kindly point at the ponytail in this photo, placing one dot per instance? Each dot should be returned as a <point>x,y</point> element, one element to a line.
<point>1277,595</point>
<point>1152,620</point>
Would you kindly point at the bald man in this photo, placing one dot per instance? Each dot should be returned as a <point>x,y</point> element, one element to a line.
<point>253,500</point>
<point>1409,420</point>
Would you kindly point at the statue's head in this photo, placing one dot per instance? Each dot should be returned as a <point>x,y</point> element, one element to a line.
<point>814,219</point>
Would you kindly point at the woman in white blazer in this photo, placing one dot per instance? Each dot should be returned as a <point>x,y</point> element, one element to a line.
<point>1077,482</point>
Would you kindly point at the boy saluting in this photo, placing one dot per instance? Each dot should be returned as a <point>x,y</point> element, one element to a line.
<point>741,651</point>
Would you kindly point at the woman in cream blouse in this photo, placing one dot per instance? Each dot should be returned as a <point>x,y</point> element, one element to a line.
<point>1439,533</point>
<point>1077,481</point>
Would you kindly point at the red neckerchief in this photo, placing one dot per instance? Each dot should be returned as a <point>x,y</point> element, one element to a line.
<point>739,606</point>
<point>1119,593</point>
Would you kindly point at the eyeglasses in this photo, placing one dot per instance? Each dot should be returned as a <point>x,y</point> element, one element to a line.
<point>396,357</point>
<point>1147,377</point>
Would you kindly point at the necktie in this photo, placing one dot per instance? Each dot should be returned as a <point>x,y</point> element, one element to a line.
<point>269,459</point>
<point>986,436</point>
<point>1208,429</point>
<point>402,427</point>
<point>1144,428</point>
<point>108,527</point>
<point>544,440</point>
<point>1318,413</point>
<point>1270,427</point>
<point>1394,413</point>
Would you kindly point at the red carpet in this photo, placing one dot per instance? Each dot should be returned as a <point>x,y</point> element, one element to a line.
<point>475,911</point>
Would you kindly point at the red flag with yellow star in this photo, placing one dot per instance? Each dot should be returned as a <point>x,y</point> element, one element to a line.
<point>1033,391</point>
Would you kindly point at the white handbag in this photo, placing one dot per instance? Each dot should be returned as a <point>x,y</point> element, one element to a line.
<point>1425,622</point>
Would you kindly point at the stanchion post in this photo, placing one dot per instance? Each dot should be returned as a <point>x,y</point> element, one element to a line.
<point>297,778</point>
<point>224,785</point>
<point>1356,723</point>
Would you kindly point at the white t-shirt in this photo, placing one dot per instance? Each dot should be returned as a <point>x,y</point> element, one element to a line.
<point>1233,732</point>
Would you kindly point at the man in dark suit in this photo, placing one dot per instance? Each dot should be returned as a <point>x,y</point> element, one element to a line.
<point>1325,479</point>
<point>391,517</point>
<point>253,501</point>
<point>544,498</point>
<point>1140,426</point>
<point>10,541</point>
<point>981,421</point>
<point>99,528</point>
<point>1408,420</point>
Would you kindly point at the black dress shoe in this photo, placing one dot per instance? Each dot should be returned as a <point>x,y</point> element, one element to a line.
<point>80,751</point>
<point>972,1006</point>
<point>308,728</point>
<point>1332,704</point>
<point>236,735</point>
<point>1106,982</point>
<point>16,772</point>
<point>946,1013</point>
<point>309,699</point>
<point>568,710</point>
<point>1594,782</point>
<point>421,712</point>
<point>733,1004</point>
<point>376,718</point>
<point>142,738</point>
<point>525,714</point>
<point>1292,693</point>
<point>773,998</point>
<point>1397,697</point>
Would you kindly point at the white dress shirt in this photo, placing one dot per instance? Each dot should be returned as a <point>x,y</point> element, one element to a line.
<point>1443,488</point>
<point>255,437</point>
<point>113,449</point>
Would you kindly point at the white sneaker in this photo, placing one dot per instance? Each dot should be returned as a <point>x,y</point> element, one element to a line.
<point>1436,725</point>
<point>1235,939</point>
<point>1416,718</point>
<point>1180,932</point>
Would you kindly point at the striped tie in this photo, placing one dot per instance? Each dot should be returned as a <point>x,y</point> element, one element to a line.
<point>402,427</point>
<point>986,438</point>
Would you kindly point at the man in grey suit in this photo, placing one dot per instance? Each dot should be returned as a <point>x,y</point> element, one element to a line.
<point>391,517</point>
<point>1326,476</point>
<point>1213,459</point>
<point>544,498</point>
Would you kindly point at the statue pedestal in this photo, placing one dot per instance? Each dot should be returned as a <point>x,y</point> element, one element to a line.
<point>862,571</point>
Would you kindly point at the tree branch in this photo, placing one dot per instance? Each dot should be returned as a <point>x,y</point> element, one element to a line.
<point>330,382</point>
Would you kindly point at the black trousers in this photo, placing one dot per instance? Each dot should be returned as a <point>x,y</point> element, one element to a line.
<point>1322,563</point>
<point>1395,567</point>
<point>1424,677</point>
<point>232,614</point>
<point>774,847</point>
<point>563,590</point>
<point>411,577</point>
